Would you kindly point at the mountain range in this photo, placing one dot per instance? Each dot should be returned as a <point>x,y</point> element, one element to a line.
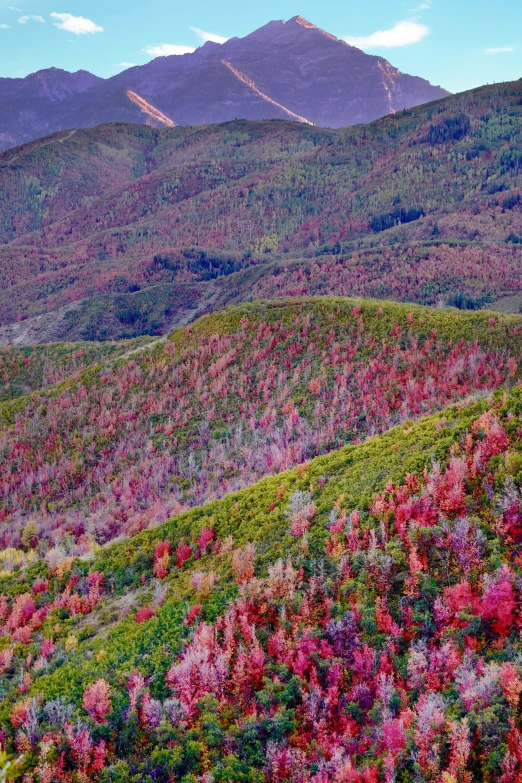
<point>124,229</point>
<point>286,69</point>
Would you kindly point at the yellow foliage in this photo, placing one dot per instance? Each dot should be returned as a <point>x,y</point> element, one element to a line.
<point>12,558</point>
<point>30,533</point>
<point>65,566</point>
<point>71,643</point>
<point>267,244</point>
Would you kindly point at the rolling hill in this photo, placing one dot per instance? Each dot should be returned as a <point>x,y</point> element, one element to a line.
<point>285,70</point>
<point>124,230</point>
<point>354,619</point>
<point>147,431</point>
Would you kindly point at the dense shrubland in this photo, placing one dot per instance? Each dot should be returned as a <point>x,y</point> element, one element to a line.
<point>246,393</point>
<point>28,369</point>
<point>354,619</point>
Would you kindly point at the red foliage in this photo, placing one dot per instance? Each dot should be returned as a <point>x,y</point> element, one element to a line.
<point>96,700</point>
<point>183,553</point>
<point>204,538</point>
<point>308,385</point>
<point>40,585</point>
<point>144,614</point>
<point>498,603</point>
<point>193,614</point>
<point>162,559</point>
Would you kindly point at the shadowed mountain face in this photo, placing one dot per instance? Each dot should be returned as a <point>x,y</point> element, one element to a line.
<point>30,107</point>
<point>285,70</point>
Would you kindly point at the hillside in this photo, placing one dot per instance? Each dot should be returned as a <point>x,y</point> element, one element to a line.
<point>238,395</point>
<point>31,368</point>
<point>260,419</point>
<point>354,619</point>
<point>421,206</point>
<point>284,70</point>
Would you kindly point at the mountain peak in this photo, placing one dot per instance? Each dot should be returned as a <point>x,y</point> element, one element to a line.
<point>55,84</point>
<point>285,69</point>
<point>300,20</point>
<point>281,31</point>
<point>61,73</point>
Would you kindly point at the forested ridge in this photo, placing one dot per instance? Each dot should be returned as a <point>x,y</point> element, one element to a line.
<point>240,394</point>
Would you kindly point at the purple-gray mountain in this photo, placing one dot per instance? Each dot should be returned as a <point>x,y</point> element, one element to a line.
<point>289,70</point>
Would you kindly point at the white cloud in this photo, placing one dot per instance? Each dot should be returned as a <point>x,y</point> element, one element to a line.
<point>4,27</point>
<point>500,50</point>
<point>31,18</point>
<point>414,13</point>
<point>75,24</point>
<point>219,39</point>
<point>125,65</point>
<point>402,34</point>
<point>164,50</point>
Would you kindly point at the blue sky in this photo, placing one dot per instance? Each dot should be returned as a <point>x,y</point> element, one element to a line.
<point>456,43</point>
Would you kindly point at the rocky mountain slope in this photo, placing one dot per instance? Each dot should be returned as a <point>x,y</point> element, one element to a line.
<point>123,230</point>
<point>289,70</point>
